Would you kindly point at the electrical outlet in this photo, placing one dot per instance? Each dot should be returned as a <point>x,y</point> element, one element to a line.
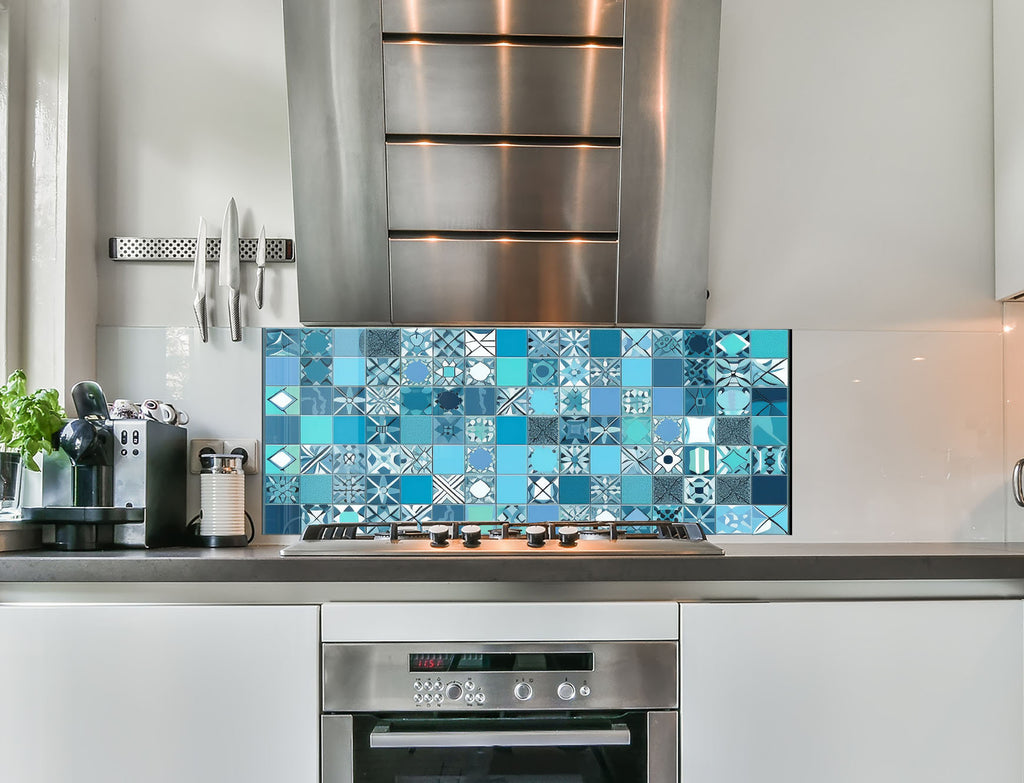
<point>199,446</point>
<point>249,449</point>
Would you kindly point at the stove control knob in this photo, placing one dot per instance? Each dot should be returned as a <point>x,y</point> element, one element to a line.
<point>471,535</point>
<point>568,535</point>
<point>470,685</point>
<point>453,691</point>
<point>535,535</point>
<point>566,691</point>
<point>522,691</point>
<point>584,690</point>
<point>438,535</point>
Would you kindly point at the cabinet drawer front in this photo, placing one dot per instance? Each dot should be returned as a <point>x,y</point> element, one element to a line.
<point>504,17</point>
<point>496,187</point>
<point>502,89</point>
<point>481,281</point>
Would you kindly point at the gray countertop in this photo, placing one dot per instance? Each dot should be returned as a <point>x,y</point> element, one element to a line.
<point>751,562</point>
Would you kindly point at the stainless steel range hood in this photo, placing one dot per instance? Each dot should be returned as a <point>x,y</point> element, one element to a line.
<point>502,161</point>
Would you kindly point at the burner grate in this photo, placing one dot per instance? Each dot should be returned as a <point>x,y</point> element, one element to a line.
<point>607,531</point>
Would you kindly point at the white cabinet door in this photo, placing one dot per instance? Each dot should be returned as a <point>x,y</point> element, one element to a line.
<point>884,692</point>
<point>1008,120</point>
<point>159,694</point>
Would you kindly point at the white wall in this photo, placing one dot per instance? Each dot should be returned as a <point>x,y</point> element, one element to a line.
<point>852,203</point>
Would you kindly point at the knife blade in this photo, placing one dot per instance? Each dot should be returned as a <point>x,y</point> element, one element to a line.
<point>229,274</point>
<point>199,282</point>
<point>261,262</point>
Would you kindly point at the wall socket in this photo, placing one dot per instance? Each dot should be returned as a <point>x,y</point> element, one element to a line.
<point>249,448</point>
<point>199,446</point>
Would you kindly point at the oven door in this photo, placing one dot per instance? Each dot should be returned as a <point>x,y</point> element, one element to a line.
<point>630,747</point>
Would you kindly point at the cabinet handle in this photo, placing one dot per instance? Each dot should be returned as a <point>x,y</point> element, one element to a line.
<point>383,737</point>
<point>1018,489</point>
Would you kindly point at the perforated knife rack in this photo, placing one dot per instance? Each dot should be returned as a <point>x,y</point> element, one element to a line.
<point>279,251</point>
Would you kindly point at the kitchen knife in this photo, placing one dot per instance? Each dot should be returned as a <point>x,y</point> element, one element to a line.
<point>229,275</point>
<point>261,262</point>
<point>199,282</point>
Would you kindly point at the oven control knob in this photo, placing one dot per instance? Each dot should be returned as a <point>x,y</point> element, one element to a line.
<point>438,535</point>
<point>568,535</point>
<point>584,690</point>
<point>453,691</point>
<point>535,535</point>
<point>470,685</point>
<point>471,535</point>
<point>566,691</point>
<point>522,691</point>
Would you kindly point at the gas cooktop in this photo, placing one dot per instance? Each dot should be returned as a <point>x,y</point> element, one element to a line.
<point>461,539</point>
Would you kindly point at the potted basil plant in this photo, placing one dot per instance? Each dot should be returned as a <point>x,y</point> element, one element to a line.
<point>28,423</point>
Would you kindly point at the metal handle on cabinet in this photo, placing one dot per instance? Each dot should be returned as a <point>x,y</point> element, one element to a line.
<point>1018,489</point>
<point>383,737</point>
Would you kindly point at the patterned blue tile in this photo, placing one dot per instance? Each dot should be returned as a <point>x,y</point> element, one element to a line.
<point>383,342</point>
<point>316,342</point>
<point>379,424</point>
<point>281,342</point>
<point>418,342</point>
<point>542,342</point>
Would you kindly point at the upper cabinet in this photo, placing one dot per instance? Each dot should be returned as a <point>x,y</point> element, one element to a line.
<point>468,161</point>
<point>1008,170</point>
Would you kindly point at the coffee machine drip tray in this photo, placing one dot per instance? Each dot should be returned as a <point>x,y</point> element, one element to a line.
<point>80,528</point>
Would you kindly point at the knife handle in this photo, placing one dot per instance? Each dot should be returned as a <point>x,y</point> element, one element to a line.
<point>234,317</point>
<point>258,294</point>
<point>199,306</point>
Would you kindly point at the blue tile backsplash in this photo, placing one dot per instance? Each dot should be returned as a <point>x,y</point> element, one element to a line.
<point>487,425</point>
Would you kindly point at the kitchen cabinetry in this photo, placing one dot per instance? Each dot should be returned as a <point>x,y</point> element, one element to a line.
<point>161,694</point>
<point>885,691</point>
<point>1008,127</point>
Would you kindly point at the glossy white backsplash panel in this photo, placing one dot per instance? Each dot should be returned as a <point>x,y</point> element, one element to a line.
<point>1013,396</point>
<point>218,383</point>
<point>897,436</point>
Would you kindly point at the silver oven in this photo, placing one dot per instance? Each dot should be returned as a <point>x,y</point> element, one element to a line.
<point>519,712</point>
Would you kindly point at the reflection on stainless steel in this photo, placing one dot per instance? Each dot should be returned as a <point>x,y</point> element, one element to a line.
<point>511,281</point>
<point>336,121</point>
<point>502,187</point>
<point>668,127</point>
<point>593,18</point>
<point>466,130</point>
<point>504,90</point>
<point>662,731</point>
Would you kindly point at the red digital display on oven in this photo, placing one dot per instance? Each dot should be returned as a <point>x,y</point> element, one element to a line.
<point>430,662</point>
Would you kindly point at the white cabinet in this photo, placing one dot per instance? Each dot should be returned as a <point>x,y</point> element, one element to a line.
<point>159,694</point>
<point>852,692</point>
<point>1008,134</point>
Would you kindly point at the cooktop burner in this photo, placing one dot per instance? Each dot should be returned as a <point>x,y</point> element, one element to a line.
<point>459,538</point>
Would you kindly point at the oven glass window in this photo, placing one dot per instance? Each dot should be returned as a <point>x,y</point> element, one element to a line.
<point>534,754</point>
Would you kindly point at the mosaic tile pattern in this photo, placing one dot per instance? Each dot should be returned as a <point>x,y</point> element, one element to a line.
<point>527,425</point>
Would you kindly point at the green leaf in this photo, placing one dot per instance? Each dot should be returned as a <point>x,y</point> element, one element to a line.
<point>28,422</point>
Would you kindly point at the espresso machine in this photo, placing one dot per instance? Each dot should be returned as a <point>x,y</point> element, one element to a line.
<point>113,483</point>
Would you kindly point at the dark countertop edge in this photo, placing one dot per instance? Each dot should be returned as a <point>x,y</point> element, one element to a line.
<point>742,563</point>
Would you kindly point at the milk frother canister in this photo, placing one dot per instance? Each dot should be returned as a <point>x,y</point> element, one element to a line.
<point>222,496</point>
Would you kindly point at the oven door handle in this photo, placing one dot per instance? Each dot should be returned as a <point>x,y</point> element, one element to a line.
<point>383,737</point>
